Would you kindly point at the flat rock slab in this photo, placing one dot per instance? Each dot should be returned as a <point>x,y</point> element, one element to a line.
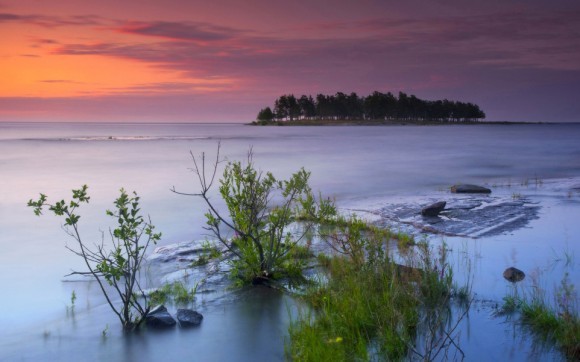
<point>466,216</point>
<point>469,189</point>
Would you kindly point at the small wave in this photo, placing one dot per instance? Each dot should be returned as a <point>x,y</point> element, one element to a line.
<point>120,138</point>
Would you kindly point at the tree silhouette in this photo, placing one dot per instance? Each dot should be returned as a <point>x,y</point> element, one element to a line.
<point>375,107</point>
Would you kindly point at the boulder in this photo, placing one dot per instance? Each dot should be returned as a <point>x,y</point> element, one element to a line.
<point>189,318</point>
<point>159,317</point>
<point>514,275</point>
<point>469,189</point>
<point>433,209</point>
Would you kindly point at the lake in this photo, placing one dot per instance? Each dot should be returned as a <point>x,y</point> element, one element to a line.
<point>367,169</point>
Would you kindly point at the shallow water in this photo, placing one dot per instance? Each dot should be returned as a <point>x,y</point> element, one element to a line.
<point>364,168</point>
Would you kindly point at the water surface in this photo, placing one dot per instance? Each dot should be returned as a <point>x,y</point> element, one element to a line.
<point>362,167</point>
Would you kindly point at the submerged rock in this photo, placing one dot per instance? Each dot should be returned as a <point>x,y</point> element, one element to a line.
<point>159,317</point>
<point>514,275</point>
<point>189,318</point>
<point>433,209</point>
<point>469,189</point>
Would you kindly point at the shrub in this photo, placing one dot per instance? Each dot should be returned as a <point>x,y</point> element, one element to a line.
<point>117,265</point>
<point>262,244</point>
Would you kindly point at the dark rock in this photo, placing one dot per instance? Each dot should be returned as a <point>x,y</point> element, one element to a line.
<point>158,309</point>
<point>433,209</point>
<point>159,317</point>
<point>470,189</point>
<point>189,318</point>
<point>513,275</point>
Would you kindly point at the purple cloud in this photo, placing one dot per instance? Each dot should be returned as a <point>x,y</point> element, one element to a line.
<point>4,17</point>
<point>187,31</point>
<point>54,21</point>
<point>499,40</point>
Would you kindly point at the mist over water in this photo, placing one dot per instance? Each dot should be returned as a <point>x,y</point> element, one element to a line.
<point>359,166</point>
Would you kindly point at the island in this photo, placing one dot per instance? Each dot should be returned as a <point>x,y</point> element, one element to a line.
<point>374,109</point>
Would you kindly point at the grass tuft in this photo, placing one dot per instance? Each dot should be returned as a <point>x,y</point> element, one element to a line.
<point>367,307</point>
<point>175,292</point>
<point>558,323</point>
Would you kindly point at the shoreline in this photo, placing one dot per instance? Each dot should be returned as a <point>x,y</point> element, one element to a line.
<point>366,122</point>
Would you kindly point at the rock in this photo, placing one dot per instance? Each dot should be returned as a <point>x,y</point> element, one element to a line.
<point>159,317</point>
<point>158,309</point>
<point>513,275</point>
<point>469,189</point>
<point>433,209</point>
<point>189,318</point>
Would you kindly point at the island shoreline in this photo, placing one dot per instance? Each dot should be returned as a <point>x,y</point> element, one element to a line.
<point>368,122</point>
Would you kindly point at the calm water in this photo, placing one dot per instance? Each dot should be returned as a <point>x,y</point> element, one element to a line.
<point>356,165</point>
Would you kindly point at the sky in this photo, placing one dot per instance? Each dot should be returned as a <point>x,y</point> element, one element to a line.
<point>223,60</point>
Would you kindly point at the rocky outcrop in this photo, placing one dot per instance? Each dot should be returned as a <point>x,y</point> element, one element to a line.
<point>433,209</point>
<point>513,275</point>
<point>159,317</point>
<point>189,318</point>
<point>469,189</point>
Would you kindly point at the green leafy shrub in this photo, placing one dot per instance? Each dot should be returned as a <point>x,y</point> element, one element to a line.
<point>118,264</point>
<point>260,210</point>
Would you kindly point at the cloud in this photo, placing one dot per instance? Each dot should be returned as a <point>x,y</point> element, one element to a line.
<point>54,21</point>
<point>59,81</point>
<point>188,31</point>
<point>384,47</point>
<point>165,88</point>
<point>542,40</point>
<point>4,17</point>
<point>464,57</point>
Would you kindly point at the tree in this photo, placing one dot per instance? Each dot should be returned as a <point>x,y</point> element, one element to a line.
<point>354,106</point>
<point>307,107</point>
<point>324,106</point>
<point>119,264</point>
<point>265,114</point>
<point>376,106</point>
<point>293,107</point>
<point>262,246</point>
<point>281,107</point>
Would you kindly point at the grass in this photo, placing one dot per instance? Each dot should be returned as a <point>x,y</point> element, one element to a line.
<point>175,292</point>
<point>208,253</point>
<point>557,323</point>
<point>367,307</point>
<point>562,329</point>
<point>356,308</point>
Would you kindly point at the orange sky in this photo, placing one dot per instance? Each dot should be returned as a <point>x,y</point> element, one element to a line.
<point>188,61</point>
<point>33,67</point>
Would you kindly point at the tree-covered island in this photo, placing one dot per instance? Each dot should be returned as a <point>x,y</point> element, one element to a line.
<point>376,108</point>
